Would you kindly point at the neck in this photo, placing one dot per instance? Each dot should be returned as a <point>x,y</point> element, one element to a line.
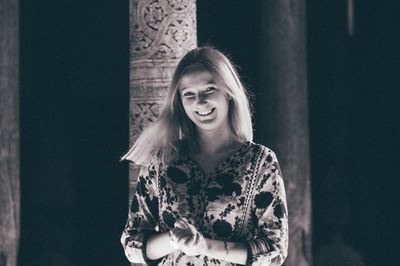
<point>212,142</point>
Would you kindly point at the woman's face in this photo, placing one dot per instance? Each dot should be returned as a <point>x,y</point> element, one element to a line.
<point>204,100</point>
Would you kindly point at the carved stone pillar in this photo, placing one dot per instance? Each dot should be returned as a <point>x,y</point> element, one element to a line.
<point>9,133</point>
<point>282,120</point>
<point>161,32</point>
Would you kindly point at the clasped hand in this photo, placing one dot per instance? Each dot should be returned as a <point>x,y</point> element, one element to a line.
<point>185,237</point>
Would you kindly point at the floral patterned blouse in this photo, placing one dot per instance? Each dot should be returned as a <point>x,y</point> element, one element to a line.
<point>243,199</point>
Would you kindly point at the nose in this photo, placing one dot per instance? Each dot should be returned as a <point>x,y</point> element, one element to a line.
<point>201,98</point>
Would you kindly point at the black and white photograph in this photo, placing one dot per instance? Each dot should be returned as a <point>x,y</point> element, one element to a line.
<point>199,132</point>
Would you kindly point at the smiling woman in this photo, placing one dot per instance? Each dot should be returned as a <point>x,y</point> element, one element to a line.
<point>205,103</point>
<point>206,194</point>
<point>175,131</point>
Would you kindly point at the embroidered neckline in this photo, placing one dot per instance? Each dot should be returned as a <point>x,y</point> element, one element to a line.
<point>222,163</point>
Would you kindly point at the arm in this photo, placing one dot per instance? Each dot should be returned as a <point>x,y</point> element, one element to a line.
<point>235,252</point>
<point>270,244</point>
<point>190,241</point>
<point>159,245</point>
<point>140,236</point>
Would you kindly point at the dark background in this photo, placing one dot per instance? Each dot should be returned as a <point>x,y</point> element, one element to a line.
<point>74,122</point>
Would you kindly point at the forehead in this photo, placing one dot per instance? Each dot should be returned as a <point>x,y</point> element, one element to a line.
<point>196,79</point>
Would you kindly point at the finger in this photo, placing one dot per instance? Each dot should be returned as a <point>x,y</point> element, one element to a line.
<point>183,244</point>
<point>183,240</point>
<point>180,224</point>
<point>178,233</point>
<point>181,233</point>
<point>190,241</point>
<point>195,240</point>
<point>173,236</point>
<point>184,221</point>
<point>172,241</point>
<point>192,228</point>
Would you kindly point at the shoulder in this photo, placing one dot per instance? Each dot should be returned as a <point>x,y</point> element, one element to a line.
<point>266,159</point>
<point>159,166</point>
<point>265,152</point>
<point>151,166</point>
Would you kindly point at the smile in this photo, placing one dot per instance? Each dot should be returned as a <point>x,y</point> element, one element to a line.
<point>205,113</point>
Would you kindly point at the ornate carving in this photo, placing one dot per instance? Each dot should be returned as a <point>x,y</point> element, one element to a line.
<point>157,26</point>
<point>142,115</point>
<point>178,4</point>
<point>154,15</point>
<point>179,31</point>
<point>161,32</point>
<point>140,40</point>
<point>164,51</point>
<point>146,93</point>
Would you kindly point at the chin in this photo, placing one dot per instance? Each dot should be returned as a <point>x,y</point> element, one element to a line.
<point>208,128</point>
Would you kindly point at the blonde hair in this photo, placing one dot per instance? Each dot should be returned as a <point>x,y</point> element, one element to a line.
<point>173,132</point>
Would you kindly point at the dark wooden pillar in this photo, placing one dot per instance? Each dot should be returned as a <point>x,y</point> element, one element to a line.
<point>9,133</point>
<point>282,119</point>
<point>161,32</point>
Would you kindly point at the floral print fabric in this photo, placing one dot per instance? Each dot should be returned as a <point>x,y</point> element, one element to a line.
<point>243,199</point>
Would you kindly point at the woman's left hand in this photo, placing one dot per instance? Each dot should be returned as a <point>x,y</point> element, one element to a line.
<point>187,238</point>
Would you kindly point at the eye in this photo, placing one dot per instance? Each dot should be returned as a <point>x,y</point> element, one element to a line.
<point>210,89</point>
<point>188,94</point>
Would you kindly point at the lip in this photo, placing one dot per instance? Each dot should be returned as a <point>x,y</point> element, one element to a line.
<point>205,113</point>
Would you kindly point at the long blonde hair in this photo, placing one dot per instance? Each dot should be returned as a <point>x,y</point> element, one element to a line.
<point>173,132</point>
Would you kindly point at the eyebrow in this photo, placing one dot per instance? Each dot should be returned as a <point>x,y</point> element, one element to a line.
<point>201,87</point>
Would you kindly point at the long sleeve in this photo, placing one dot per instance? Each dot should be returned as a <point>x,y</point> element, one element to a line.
<point>269,214</point>
<point>143,216</point>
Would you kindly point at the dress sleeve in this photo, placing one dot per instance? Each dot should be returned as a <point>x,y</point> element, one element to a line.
<point>143,216</point>
<point>269,214</point>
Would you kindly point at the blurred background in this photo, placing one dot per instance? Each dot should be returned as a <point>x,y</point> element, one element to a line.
<point>74,89</point>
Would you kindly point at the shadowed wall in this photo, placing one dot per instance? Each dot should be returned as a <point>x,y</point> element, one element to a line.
<point>9,133</point>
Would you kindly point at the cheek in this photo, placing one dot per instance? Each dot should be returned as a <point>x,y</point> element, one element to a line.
<point>221,101</point>
<point>186,107</point>
<point>219,97</point>
<point>225,109</point>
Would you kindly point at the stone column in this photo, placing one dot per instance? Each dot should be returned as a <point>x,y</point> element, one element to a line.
<point>282,119</point>
<point>9,133</point>
<point>161,32</point>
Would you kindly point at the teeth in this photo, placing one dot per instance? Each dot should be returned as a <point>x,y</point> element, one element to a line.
<point>205,113</point>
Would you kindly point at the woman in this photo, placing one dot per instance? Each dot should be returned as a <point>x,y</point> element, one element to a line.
<point>206,195</point>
